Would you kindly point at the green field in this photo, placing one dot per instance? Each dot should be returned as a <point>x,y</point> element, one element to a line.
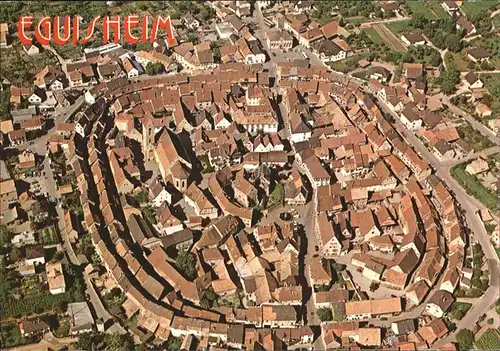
<point>49,236</point>
<point>356,20</point>
<point>429,9</point>
<point>478,7</point>
<point>474,187</point>
<point>473,137</point>
<point>399,26</point>
<point>459,309</point>
<point>374,36</point>
<point>460,60</point>
<point>490,340</point>
<point>492,83</point>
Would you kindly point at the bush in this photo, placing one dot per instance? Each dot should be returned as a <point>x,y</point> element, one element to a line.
<point>186,263</point>
<point>465,339</point>
<point>325,314</point>
<point>459,309</point>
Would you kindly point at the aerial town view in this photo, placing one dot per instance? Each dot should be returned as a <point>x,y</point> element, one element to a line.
<point>250,175</point>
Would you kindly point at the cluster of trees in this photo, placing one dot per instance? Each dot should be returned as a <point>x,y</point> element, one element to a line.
<point>4,104</point>
<point>154,68</point>
<point>465,339</point>
<point>100,341</point>
<point>418,54</point>
<point>442,32</point>
<point>186,263</point>
<point>450,77</point>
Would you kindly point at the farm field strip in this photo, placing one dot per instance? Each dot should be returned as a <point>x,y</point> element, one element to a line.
<point>389,37</point>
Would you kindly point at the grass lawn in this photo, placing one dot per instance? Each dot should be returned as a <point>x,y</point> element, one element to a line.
<point>276,196</point>
<point>389,38</point>
<point>459,309</point>
<point>490,340</point>
<point>473,137</point>
<point>492,83</point>
<point>474,187</point>
<point>478,7</point>
<point>356,20</point>
<point>337,65</point>
<point>11,336</point>
<point>429,9</point>
<point>374,36</point>
<point>460,61</point>
<point>49,236</point>
<point>399,26</point>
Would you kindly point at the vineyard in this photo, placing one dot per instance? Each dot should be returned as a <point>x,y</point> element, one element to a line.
<point>490,340</point>
<point>35,304</point>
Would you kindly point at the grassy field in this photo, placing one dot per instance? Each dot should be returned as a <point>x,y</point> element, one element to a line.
<point>474,187</point>
<point>492,83</point>
<point>460,61</point>
<point>429,9</point>
<point>356,20</point>
<point>473,137</point>
<point>478,7</point>
<point>389,38</point>
<point>399,26</point>
<point>459,309</point>
<point>49,236</point>
<point>374,36</point>
<point>490,340</point>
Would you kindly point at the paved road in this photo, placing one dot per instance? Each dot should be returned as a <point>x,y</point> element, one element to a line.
<point>470,206</point>
<point>475,123</point>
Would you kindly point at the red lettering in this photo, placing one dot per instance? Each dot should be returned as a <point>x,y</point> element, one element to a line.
<point>129,23</point>
<point>145,25</point>
<point>111,24</point>
<point>44,25</point>
<point>67,31</point>
<point>166,24</point>
<point>90,31</point>
<point>24,22</point>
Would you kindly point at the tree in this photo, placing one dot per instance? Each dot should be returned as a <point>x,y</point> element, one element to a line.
<point>85,341</point>
<point>465,339</point>
<point>4,104</point>
<point>186,262</point>
<point>418,21</point>
<point>324,314</point>
<point>116,341</point>
<point>154,68</point>
<point>434,58</point>
<point>173,343</point>
<point>15,254</point>
<point>374,286</point>
<point>453,42</point>
<point>449,79</point>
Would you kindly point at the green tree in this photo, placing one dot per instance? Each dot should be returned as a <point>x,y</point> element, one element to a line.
<point>173,343</point>
<point>15,254</point>
<point>465,339</point>
<point>186,262</point>
<point>85,341</point>
<point>116,341</point>
<point>418,21</point>
<point>4,104</point>
<point>154,68</point>
<point>454,42</point>
<point>325,314</point>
